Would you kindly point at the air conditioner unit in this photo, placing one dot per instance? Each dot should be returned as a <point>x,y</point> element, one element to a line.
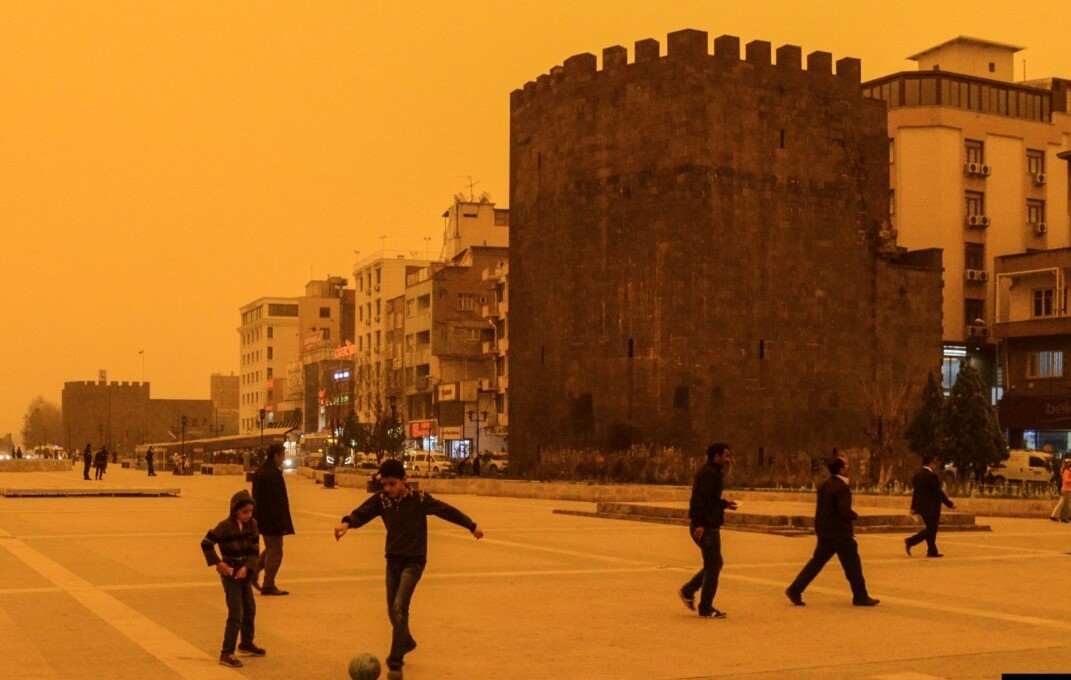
<point>973,168</point>
<point>1041,228</point>
<point>984,170</point>
<point>972,274</point>
<point>486,385</point>
<point>1040,178</point>
<point>980,221</point>
<point>983,275</point>
<point>976,331</point>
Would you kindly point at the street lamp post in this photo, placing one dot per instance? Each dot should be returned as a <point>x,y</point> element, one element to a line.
<point>262,413</point>
<point>482,418</point>
<point>183,445</point>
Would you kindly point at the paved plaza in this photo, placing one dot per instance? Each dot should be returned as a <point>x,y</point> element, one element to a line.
<point>116,587</point>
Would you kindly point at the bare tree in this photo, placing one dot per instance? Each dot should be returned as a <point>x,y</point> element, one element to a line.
<point>887,405</point>
<point>42,423</point>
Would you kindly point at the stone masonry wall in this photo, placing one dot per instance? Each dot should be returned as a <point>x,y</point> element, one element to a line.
<point>693,255</point>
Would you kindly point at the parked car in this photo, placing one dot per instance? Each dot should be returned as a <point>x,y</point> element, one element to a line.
<point>496,463</point>
<point>424,464</point>
<point>1022,467</point>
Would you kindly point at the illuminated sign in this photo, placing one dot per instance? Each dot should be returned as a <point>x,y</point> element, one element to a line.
<point>421,428</point>
<point>345,351</point>
<point>448,392</point>
<point>451,432</point>
<point>342,375</point>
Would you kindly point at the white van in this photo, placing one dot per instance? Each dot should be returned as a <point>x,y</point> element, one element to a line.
<point>1023,467</point>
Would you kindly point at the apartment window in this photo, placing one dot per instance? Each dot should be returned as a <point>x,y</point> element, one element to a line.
<point>974,256</point>
<point>1035,161</point>
<point>269,373</point>
<point>1035,211</point>
<point>466,302</point>
<point>974,203</point>
<point>469,334</point>
<point>325,333</point>
<point>1047,364</point>
<point>1043,298</point>
<point>975,150</point>
<point>892,151</point>
<point>892,205</point>
<point>270,333</point>
<point>973,312</point>
<point>325,312</point>
<point>409,309</point>
<point>270,354</point>
<point>992,67</point>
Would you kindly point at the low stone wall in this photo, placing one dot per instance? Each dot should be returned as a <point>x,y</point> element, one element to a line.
<point>222,469</point>
<point>35,465</point>
<point>651,493</point>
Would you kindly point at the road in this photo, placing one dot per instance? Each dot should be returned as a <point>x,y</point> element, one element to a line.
<point>113,587</point>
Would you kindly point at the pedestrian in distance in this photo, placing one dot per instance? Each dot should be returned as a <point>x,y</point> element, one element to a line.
<point>405,514</point>
<point>1063,506</point>
<point>272,512</point>
<point>239,543</point>
<point>475,465</point>
<point>833,519</point>
<point>87,460</point>
<point>926,501</point>
<point>100,462</point>
<point>706,514</point>
<point>149,462</point>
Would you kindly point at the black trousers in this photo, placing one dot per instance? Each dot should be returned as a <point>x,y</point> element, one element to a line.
<point>85,471</point>
<point>847,551</point>
<point>706,579</point>
<point>929,534</point>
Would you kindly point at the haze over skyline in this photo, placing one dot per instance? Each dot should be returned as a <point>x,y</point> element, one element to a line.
<point>162,164</point>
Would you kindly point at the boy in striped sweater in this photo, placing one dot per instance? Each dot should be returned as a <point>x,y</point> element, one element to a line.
<point>405,514</point>
<point>239,545</point>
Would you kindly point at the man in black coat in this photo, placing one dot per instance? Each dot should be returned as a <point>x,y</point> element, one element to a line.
<point>271,509</point>
<point>87,461</point>
<point>833,519</point>
<point>926,502</point>
<point>706,514</point>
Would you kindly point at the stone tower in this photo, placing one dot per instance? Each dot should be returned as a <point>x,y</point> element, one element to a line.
<point>699,253</point>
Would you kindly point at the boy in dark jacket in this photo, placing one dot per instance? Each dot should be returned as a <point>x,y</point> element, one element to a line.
<point>239,545</point>
<point>405,514</point>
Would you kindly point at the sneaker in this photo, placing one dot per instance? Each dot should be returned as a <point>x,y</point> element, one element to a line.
<point>251,649</point>
<point>688,602</point>
<point>868,602</point>
<point>907,546</point>
<point>229,660</point>
<point>1054,519</point>
<point>713,614</point>
<point>272,590</point>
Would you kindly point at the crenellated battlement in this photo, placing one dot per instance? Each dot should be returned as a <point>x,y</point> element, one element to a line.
<point>691,46</point>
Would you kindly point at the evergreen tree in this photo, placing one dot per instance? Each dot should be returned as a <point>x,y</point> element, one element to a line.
<point>925,430</point>
<point>971,437</point>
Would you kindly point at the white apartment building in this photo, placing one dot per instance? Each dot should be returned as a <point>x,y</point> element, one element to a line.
<point>377,279</point>
<point>268,343</point>
<point>974,171</point>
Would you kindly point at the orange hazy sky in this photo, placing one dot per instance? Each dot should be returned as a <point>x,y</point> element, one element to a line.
<point>164,162</point>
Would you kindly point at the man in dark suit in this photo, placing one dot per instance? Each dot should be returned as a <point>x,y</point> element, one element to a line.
<point>271,509</point>
<point>706,514</point>
<point>926,502</point>
<point>833,519</point>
